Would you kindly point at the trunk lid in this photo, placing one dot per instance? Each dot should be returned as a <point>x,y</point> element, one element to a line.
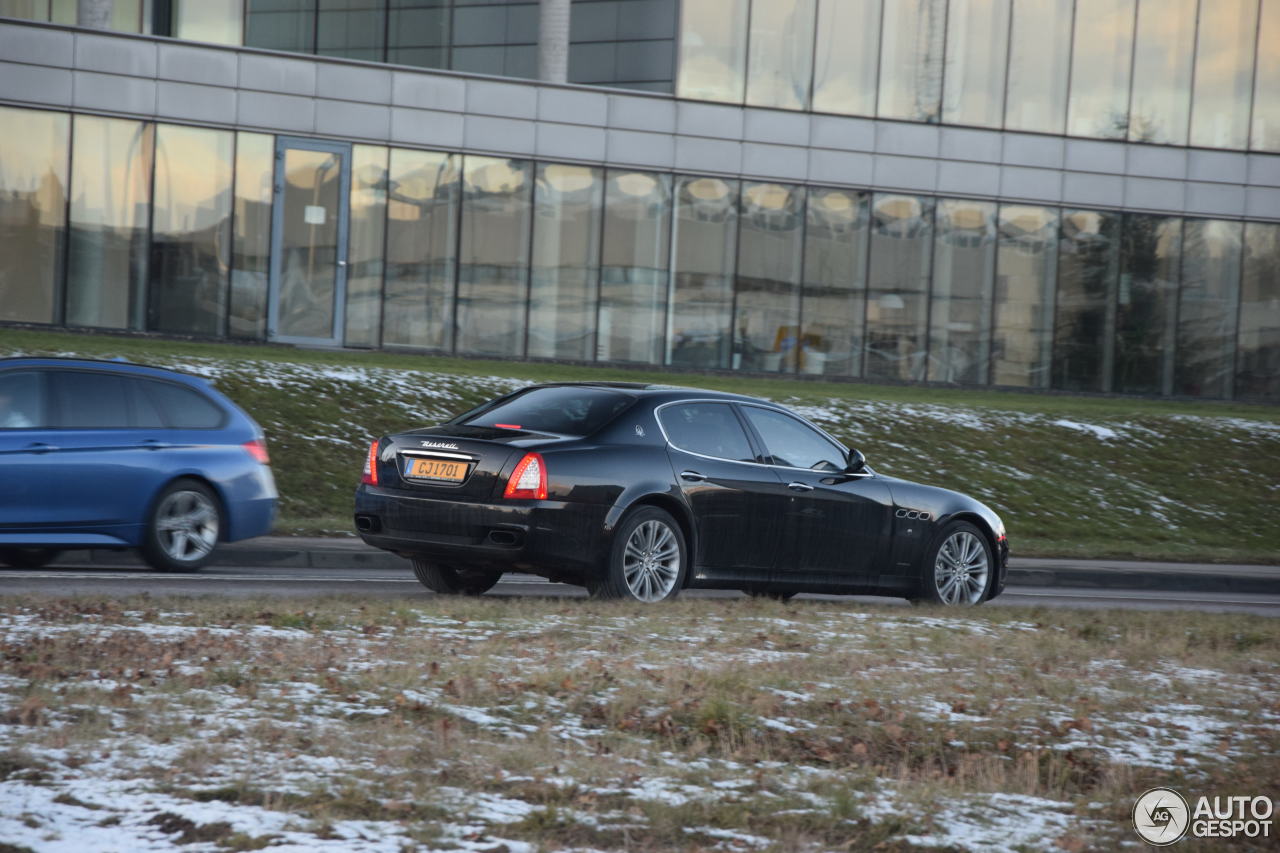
<point>455,462</point>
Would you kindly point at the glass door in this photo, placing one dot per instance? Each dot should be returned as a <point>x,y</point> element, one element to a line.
<point>309,241</point>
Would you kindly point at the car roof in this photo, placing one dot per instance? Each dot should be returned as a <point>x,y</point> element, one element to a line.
<point>114,364</point>
<point>667,392</point>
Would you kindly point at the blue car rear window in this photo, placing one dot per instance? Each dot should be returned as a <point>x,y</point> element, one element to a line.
<point>562,410</point>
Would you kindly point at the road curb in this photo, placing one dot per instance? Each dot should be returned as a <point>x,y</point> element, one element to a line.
<point>350,553</point>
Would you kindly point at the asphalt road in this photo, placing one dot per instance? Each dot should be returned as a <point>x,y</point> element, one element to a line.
<point>246,582</point>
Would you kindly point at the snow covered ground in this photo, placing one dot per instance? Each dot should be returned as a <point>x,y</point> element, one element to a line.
<point>539,725</point>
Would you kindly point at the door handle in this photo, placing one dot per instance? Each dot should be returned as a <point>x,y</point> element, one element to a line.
<point>692,476</point>
<point>155,444</point>
<point>41,447</point>
<point>798,486</point>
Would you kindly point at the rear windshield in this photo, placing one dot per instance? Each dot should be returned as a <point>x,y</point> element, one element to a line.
<point>567,411</point>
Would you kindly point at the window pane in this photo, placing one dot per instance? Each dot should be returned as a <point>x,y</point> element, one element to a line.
<point>1162,71</point>
<point>184,408</point>
<point>251,242</point>
<point>190,230</point>
<point>977,49</point>
<point>912,41</point>
<point>1039,56</point>
<point>418,33</point>
<point>33,199</point>
<point>217,21</point>
<point>702,278</point>
<point>281,24</point>
<point>146,411</point>
<point>964,261</point>
<point>21,400</point>
<point>847,56</point>
<point>368,218</point>
<point>31,10</point>
<point>1146,299</point>
<point>770,245</point>
<point>901,254</point>
<point>1224,74</point>
<point>780,63</point>
<point>711,429</point>
<point>494,262</point>
<point>89,400</point>
<point>1088,260</point>
<point>793,443</point>
<point>633,278</point>
<point>566,262</point>
<point>1207,307</point>
<point>563,410</point>
<point>107,261</point>
<point>422,239</point>
<point>1258,365</point>
<point>1102,54</point>
<point>355,29</point>
<point>713,50</point>
<point>835,281</point>
<point>1266,93</point>
<point>1026,266</point>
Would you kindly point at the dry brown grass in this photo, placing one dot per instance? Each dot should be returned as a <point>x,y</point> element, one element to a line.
<point>543,724</point>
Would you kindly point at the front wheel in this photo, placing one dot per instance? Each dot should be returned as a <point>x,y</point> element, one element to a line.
<point>183,528</point>
<point>647,561</point>
<point>27,558</point>
<point>959,569</point>
<point>444,580</point>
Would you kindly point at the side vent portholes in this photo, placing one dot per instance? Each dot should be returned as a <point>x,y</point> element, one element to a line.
<point>921,514</point>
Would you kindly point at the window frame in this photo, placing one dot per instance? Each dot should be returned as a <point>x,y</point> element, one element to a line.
<point>756,448</point>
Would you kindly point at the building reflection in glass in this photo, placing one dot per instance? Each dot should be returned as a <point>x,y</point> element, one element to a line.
<point>833,303</point>
<point>33,210</point>
<point>1026,280</point>
<point>767,286</point>
<point>703,252</point>
<point>633,275</point>
<point>566,261</point>
<point>493,266</point>
<point>251,240</point>
<point>898,287</point>
<point>964,261</point>
<point>1088,262</point>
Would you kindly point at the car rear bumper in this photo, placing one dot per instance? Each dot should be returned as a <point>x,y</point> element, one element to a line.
<point>556,539</point>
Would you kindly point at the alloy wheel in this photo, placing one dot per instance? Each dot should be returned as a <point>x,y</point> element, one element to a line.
<point>187,525</point>
<point>651,561</point>
<point>961,568</point>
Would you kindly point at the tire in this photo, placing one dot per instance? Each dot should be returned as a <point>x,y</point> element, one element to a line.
<point>959,568</point>
<point>647,561</point>
<point>183,528</point>
<point>28,558</point>
<point>444,580</point>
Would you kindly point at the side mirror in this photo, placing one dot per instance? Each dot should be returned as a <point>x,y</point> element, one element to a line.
<point>855,463</point>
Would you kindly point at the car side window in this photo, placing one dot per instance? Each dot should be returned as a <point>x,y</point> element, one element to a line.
<point>21,400</point>
<point>711,429</point>
<point>794,443</point>
<point>182,407</point>
<point>146,413</point>
<point>90,400</point>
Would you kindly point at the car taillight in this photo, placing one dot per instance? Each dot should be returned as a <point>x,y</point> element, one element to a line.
<point>529,480</point>
<point>370,475</point>
<point>258,450</point>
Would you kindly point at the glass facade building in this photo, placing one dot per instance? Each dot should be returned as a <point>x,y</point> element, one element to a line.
<point>1076,195</point>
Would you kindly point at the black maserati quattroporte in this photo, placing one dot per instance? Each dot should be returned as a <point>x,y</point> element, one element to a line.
<point>638,491</point>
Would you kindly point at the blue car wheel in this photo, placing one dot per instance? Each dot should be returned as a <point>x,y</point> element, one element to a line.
<point>183,529</point>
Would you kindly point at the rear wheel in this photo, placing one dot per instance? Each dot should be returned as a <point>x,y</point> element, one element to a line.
<point>444,580</point>
<point>183,528</point>
<point>647,561</point>
<point>959,569</point>
<point>28,558</point>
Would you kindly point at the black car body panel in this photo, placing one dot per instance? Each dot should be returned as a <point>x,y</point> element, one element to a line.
<point>750,521</point>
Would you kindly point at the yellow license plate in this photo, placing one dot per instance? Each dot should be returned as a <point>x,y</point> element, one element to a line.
<point>436,469</point>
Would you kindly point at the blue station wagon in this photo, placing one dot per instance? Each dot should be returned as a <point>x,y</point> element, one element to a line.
<point>105,454</point>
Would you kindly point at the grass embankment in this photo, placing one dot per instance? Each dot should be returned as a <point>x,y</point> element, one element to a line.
<point>1072,476</point>
<point>541,724</point>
